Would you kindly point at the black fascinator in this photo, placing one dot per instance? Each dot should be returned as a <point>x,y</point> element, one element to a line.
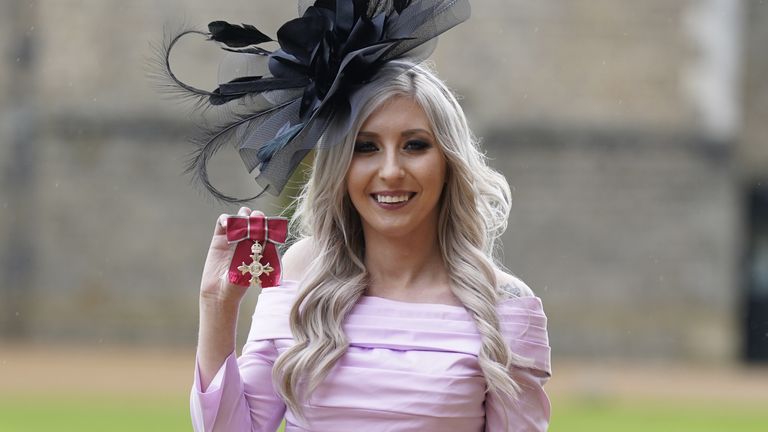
<point>282,101</point>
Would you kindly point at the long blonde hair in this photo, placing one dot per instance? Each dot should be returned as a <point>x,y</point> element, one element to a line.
<point>337,277</point>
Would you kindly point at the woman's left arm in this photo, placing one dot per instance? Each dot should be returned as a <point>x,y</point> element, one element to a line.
<point>530,412</point>
<point>525,328</point>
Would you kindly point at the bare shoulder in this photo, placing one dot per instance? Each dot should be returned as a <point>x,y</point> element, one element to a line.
<point>297,259</point>
<point>512,286</point>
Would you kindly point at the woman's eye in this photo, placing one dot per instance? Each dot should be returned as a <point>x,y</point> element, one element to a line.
<point>364,147</point>
<point>417,145</point>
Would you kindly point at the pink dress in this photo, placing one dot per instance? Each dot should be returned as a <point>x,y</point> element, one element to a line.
<point>409,367</point>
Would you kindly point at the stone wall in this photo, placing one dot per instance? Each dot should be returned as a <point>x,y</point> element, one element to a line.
<point>617,124</point>
<point>628,238</point>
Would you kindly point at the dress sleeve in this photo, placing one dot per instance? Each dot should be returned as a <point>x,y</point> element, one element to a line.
<point>530,412</point>
<point>241,396</point>
<point>524,325</point>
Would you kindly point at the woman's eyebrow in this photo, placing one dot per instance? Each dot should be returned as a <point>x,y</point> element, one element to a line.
<point>408,132</point>
<point>415,131</point>
<point>366,133</point>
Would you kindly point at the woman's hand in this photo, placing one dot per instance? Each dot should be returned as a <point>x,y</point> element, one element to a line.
<point>214,287</point>
<point>219,304</point>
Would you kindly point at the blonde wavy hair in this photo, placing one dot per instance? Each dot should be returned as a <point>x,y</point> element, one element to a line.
<point>474,210</point>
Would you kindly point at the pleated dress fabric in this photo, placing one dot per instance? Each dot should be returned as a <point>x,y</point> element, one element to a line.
<point>409,367</point>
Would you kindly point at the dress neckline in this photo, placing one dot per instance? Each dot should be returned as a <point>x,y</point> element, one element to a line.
<point>384,300</point>
<point>368,299</point>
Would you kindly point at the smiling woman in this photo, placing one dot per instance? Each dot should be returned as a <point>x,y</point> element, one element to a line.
<point>392,312</point>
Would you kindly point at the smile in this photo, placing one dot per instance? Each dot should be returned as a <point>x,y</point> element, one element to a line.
<point>393,198</point>
<point>393,201</point>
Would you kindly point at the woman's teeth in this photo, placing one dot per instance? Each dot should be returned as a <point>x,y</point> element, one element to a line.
<point>392,199</point>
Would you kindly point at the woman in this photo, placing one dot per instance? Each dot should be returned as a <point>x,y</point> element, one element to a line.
<point>392,314</point>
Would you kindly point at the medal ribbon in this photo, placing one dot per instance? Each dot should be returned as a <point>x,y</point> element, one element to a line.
<point>247,230</point>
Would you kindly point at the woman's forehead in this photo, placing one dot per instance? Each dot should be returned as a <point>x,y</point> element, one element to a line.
<point>398,112</point>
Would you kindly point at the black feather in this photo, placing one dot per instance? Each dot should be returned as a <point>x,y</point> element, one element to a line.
<point>160,71</point>
<point>236,36</point>
<point>249,50</point>
<point>211,140</point>
<point>242,86</point>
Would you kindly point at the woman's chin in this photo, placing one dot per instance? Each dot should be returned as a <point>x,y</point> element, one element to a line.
<point>397,227</point>
<point>390,230</point>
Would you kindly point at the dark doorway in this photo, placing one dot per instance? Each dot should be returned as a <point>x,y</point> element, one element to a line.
<point>756,273</point>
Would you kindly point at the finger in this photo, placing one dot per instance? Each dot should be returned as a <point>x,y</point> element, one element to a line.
<point>221,224</point>
<point>244,211</point>
<point>257,213</point>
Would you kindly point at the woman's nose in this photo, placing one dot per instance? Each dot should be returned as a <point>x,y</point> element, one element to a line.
<point>391,167</point>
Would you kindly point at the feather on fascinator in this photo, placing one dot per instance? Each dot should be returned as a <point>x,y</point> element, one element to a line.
<point>318,75</point>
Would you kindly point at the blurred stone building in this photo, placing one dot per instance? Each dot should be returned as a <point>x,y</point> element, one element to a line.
<point>632,133</point>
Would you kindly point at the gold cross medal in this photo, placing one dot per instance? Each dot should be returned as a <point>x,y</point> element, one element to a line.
<point>256,268</point>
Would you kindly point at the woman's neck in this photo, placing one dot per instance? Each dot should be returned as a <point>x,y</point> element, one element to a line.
<point>405,267</point>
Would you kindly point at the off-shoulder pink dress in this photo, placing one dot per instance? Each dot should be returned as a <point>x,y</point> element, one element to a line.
<point>409,367</point>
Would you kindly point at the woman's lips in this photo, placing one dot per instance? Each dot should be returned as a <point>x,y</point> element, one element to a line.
<point>393,206</point>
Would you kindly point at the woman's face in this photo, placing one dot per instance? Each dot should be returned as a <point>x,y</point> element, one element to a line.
<point>397,171</point>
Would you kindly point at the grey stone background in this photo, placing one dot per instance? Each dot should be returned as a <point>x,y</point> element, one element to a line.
<point>629,132</point>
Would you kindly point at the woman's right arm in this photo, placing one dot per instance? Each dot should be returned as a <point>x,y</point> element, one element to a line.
<point>229,393</point>
<point>219,304</point>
